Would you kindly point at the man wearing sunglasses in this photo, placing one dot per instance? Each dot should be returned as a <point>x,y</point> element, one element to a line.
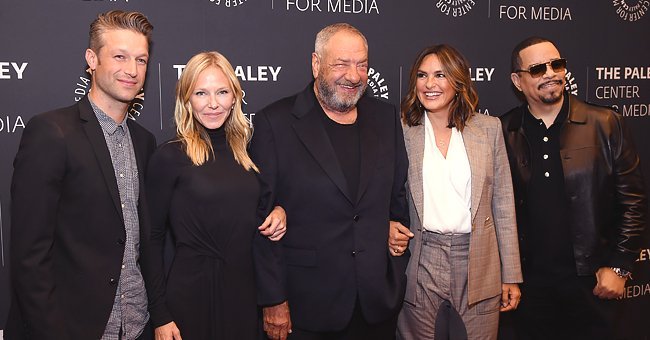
<point>580,199</point>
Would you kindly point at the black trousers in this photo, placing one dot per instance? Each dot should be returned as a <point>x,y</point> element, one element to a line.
<point>357,329</point>
<point>567,309</point>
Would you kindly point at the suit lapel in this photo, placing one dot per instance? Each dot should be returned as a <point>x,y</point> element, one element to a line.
<point>98,144</point>
<point>310,130</point>
<point>414,136</point>
<point>473,138</point>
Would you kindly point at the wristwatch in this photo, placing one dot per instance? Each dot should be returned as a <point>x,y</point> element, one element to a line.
<point>622,272</point>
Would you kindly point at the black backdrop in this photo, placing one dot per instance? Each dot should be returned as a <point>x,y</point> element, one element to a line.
<point>269,42</point>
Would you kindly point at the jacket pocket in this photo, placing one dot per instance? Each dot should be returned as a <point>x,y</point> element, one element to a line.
<point>489,305</point>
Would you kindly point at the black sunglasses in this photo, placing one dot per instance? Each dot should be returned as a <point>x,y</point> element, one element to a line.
<point>537,70</point>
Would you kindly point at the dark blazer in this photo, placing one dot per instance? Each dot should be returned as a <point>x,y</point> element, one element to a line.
<point>603,181</point>
<point>335,250</point>
<point>67,230</point>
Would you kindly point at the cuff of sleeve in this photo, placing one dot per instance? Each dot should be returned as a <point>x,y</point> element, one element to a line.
<point>159,316</point>
<point>621,260</point>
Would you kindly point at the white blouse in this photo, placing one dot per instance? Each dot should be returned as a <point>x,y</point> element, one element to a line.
<point>447,185</point>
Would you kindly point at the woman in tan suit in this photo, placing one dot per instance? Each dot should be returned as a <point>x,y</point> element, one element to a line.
<point>465,265</point>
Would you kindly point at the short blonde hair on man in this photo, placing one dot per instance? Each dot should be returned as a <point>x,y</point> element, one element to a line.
<point>114,20</point>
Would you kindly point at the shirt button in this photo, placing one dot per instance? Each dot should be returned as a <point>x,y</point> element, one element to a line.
<point>121,175</point>
<point>123,266</point>
<point>112,281</point>
<point>546,174</point>
<point>545,156</point>
<point>355,218</point>
<point>122,205</point>
<point>122,296</point>
<point>354,253</point>
<point>545,139</point>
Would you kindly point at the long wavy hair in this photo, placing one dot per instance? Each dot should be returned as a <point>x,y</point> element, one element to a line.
<point>456,69</point>
<point>189,130</point>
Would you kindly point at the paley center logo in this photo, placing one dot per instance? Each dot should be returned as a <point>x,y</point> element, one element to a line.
<point>228,3</point>
<point>246,73</point>
<point>570,85</point>
<point>377,85</point>
<point>12,70</point>
<point>630,10</point>
<point>82,87</point>
<point>455,8</point>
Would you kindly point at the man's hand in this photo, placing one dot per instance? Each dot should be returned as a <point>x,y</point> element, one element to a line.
<point>510,296</point>
<point>275,225</point>
<point>277,321</point>
<point>398,238</point>
<point>168,331</point>
<point>609,285</point>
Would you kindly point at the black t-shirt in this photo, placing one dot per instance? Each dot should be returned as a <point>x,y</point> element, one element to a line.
<point>345,141</point>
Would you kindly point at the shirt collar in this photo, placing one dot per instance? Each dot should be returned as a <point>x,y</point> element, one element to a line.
<point>530,120</point>
<point>107,123</point>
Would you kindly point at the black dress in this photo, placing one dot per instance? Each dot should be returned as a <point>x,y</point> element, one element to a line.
<point>210,289</point>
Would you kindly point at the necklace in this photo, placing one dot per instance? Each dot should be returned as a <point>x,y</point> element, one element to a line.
<point>442,142</point>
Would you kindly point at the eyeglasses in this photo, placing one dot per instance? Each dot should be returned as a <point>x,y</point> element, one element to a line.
<point>537,70</point>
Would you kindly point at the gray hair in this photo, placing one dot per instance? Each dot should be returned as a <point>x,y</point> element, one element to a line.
<point>326,33</point>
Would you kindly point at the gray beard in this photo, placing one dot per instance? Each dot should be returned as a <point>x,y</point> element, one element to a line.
<point>331,99</point>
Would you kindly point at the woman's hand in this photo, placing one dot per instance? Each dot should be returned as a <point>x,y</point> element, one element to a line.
<point>275,225</point>
<point>168,331</point>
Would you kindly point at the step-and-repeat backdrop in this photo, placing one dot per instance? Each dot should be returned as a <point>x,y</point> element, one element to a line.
<point>269,43</point>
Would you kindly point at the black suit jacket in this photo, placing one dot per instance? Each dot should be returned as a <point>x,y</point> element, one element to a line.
<point>335,250</point>
<point>67,230</point>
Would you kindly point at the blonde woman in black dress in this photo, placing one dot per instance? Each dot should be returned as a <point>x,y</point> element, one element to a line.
<point>203,186</point>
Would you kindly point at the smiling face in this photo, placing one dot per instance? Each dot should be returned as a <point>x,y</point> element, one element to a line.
<point>433,88</point>
<point>118,68</point>
<point>547,88</point>
<point>341,72</point>
<point>212,98</point>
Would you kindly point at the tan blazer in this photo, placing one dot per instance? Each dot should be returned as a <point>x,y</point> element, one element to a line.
<point>494,249</point>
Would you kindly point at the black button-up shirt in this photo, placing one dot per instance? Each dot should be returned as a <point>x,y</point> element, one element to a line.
<point>550,252</point>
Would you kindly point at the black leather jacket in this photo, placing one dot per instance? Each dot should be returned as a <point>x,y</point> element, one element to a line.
<point>603,182</point>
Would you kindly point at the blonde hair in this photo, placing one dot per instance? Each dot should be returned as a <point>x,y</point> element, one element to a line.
<point>189,130</point>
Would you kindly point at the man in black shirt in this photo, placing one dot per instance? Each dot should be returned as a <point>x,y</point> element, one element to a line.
<point>580,199</point>
<point>335,160</point>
